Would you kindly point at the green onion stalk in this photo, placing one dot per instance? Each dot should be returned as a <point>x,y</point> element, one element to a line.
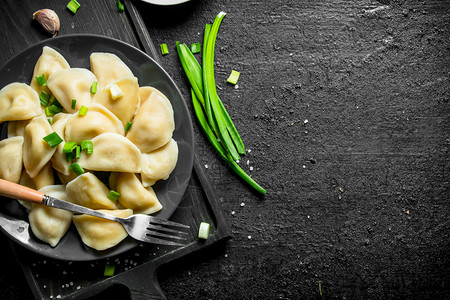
<point>209,109</point>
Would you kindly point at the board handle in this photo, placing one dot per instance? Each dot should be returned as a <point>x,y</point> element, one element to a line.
<point>16,191</point>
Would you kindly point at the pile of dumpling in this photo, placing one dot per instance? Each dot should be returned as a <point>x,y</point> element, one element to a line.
<point>130,133</point>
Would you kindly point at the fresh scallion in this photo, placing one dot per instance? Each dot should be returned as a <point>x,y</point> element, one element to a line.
<point>73,6</point>
<point>195,48</point>
<point>53,139</point>
<point>76,168</point>
<point>234,76</point>
<point>128,126</point>
<point>41,80</point>
<point>164,49</point>
<point>43,98</point>
<point>77,152</point>
<point>69,147</point>
<point>109,270</point>
<point>83,110</point>
<point>74,104</point>
<point>88,146</point>
<point>70,156</point>
<point>94,87</point>
<point>48,112</point>
<point>203,230</point>
<point>120,6</point>
<point>113,195</point>
<point>55,109</point>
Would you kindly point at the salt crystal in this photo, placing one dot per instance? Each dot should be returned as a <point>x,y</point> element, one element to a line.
<point>251,168</point>
<point>306,121</point>
<point>206,166</point>
<point>249,237</point>
<point>242,204</point>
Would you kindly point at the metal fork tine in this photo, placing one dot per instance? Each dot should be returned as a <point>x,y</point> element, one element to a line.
<point>165,229</point>
<point>158,221</point>
<point>160,234</point>
<point>162,242</point>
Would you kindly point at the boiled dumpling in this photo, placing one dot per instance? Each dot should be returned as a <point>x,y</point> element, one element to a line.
<point>36,152</point>
<point>125,106</point>
<point>59,160</point>
<point>45,177</point>
<point>18,101</point>
<point>72,84</point>
<point>145,91</point>
<point>88,191</point>
<point>11,158</point>
<point>153,124</point>
<point>49,224</point>
<point>97,120</point>
<point>159,164</point>
<point>112,152</point>
<point>108,67</point>
<point>49,62</point>
<point>101,234</point>
<point>133,194</point>
<point>17,128</point>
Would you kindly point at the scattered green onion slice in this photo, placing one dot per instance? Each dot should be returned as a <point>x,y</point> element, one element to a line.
<point>43,98</point>
<point>83,110</point>
<point>76,168</point>
<point>55,109</point>
<point>50,121</point>
<point>74,103</point>
<point>70,156</point>
<point>53,139</point>
<point>113,195</point>
<point>69,147</point>
<point>203,230</point>
<point>164,49</point>
<point>109,270</point>
<point>120,6</point>
<point>41,80</point>
<point>195,48</point>
<point>234,76</point>
<point>48,112</point>
<point>77,152</point>
<point>128,126</point>
<point>73,6</point>
<point>88,146</point>
<point>94,87</point>
<point>115,91</point>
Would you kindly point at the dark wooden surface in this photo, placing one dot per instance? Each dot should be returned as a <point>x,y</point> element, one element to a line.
<point>345,108</point>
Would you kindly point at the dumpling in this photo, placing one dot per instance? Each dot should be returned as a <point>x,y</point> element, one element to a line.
<point>69,84</point>
<point>108,67</point>
<point>159,164</point>
<point>17,128</point>
<point>49,62</point>
<point>49,224</point>
<point>59,160</point>
<point>97,120</point>
<point>11,158</point>
<point>153,124</point>
<point>45,177</point>
<point>133,194</point>
<point>36,152</point>
<point>101,234</point>
<point>88,191</point>
<point>112,152</point>
<point>145,91</point>
<point>18,101</point>
<point>125,106</point>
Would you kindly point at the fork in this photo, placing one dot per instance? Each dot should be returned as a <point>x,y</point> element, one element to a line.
<point>139,226</point>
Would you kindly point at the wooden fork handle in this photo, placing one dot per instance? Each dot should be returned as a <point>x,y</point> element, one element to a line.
<point>16,191</point>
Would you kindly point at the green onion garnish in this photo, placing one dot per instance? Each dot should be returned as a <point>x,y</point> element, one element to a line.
<point>109,270</point>
<point>234,76</point>
<point>69,147</point>
<point>49,121</point>
<point>53,139</point>
<point>88,146</point>
<point>41,80</point>
<point>43,98</point>
<point>55,109</point>
<point>203,230</point>
<point>94,87</point>
<point>164,49</point>
<point>113,195</point>
<point>77,152</point>
<point>120,6</point>
<point>76,168</point>
<point>48,112</point>
<point>195,48</point>
<point>70,156</point>
<point>83,110</point>
<point>128,126</point>
<point>73,6</point>
<point>74,103</point>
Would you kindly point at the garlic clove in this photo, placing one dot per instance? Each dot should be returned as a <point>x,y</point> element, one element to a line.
<point>48,19</point>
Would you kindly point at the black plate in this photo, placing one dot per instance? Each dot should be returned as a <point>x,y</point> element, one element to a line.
<point>76,49</point>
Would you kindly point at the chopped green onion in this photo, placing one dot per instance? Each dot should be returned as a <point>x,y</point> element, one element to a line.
<point>128,126</point>
<point>50,121</point>
<point>120,6</point>
<point>113,195</point>
<point>83,110</point>
<point>53,139</point>
<point>203,230</point>
<point>73,6</point>
<point>109,270</point>
<point>94,87</point>
<point>115,91</point>
<point>74,103</point>
<point>48,112</point>
<point>52,99</point>
<point>55,109</point>
<point>43,98</point>
<point>195,48</point>
<point>76,168</point>
<point>41,80</point>
<point>234,76</point>
<point>88,146</point>
<point>77,152</point>
<point>164,49</point>
<point>70,156</point>
<point>69,147</point>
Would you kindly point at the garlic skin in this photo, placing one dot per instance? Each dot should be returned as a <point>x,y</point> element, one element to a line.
<point>48,19</point>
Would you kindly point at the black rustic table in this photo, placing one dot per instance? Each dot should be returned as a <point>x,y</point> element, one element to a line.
<point>344,107</point>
